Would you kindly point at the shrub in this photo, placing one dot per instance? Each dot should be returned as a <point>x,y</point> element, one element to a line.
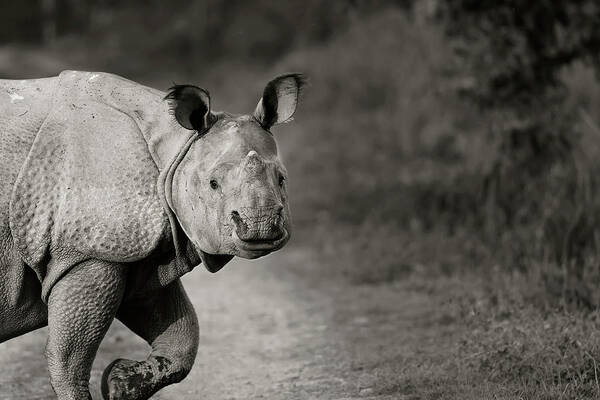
<point>541,197</point>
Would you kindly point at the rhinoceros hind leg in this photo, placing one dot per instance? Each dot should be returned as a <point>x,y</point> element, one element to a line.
<point>81,307</point>
<point>167,321</point>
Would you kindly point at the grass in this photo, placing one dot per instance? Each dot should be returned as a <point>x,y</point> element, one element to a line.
<point>511,342</point>
<point>484,338</point>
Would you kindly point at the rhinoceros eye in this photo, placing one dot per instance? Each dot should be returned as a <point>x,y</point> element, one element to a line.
<point>281,180</point>
<point>214,185</point>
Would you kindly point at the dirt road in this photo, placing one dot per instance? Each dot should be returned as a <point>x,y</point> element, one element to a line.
<point>267,334</point>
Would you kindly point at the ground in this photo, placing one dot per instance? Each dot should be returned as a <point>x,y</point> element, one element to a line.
<point>268,334</point>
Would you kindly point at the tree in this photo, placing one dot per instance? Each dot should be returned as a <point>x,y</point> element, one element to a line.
<point>511,54</point>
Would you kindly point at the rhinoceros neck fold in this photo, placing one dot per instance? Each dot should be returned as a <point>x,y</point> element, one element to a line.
<point>186,259</point>
<point>212,262</point>
<point>167,143</point>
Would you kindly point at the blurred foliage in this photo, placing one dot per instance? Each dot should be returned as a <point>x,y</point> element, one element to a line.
<point>186,35</point>
<point>515,49</point>
<point>541,195</point>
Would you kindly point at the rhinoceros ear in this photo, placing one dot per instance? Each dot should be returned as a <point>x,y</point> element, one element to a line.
<point>191,107</point>
<point>279,100</point>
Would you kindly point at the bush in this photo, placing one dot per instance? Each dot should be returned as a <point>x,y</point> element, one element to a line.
<point>540,195</point>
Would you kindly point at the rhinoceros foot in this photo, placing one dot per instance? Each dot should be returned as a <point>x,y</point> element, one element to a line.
<point>127,379</point>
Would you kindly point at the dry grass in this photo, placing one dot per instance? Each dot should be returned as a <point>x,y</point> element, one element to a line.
<point>510,342</point>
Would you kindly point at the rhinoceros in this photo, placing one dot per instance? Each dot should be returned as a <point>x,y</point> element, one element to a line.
<point>110,191</point>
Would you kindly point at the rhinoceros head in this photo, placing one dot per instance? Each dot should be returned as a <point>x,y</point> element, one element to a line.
<point>229,192</point>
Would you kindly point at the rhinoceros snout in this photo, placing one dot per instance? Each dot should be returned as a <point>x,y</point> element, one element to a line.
<point>259,223</point>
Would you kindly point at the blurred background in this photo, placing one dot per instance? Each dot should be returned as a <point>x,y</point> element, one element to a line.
<point>452,146</point>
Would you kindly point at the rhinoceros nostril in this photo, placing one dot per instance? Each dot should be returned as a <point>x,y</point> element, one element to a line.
<point>240,226</point>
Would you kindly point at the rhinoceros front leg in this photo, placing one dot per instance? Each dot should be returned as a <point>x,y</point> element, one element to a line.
<point>81,307</point>
<point>167,321</point>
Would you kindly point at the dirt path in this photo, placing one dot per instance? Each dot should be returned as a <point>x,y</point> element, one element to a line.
<point>267,334</point>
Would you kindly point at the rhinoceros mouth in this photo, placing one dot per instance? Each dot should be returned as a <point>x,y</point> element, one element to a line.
<point>265,246</point>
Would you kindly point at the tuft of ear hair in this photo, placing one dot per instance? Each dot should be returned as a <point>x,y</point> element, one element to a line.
<point>190,105</point>
<point>280,99</point>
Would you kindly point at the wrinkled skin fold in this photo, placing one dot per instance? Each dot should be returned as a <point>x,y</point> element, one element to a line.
<point>110,191</point>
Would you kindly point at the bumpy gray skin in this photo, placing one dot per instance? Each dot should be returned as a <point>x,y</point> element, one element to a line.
<point>111,191</point>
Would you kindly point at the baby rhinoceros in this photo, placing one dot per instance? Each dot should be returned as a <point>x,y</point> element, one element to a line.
<point>110,191</point>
